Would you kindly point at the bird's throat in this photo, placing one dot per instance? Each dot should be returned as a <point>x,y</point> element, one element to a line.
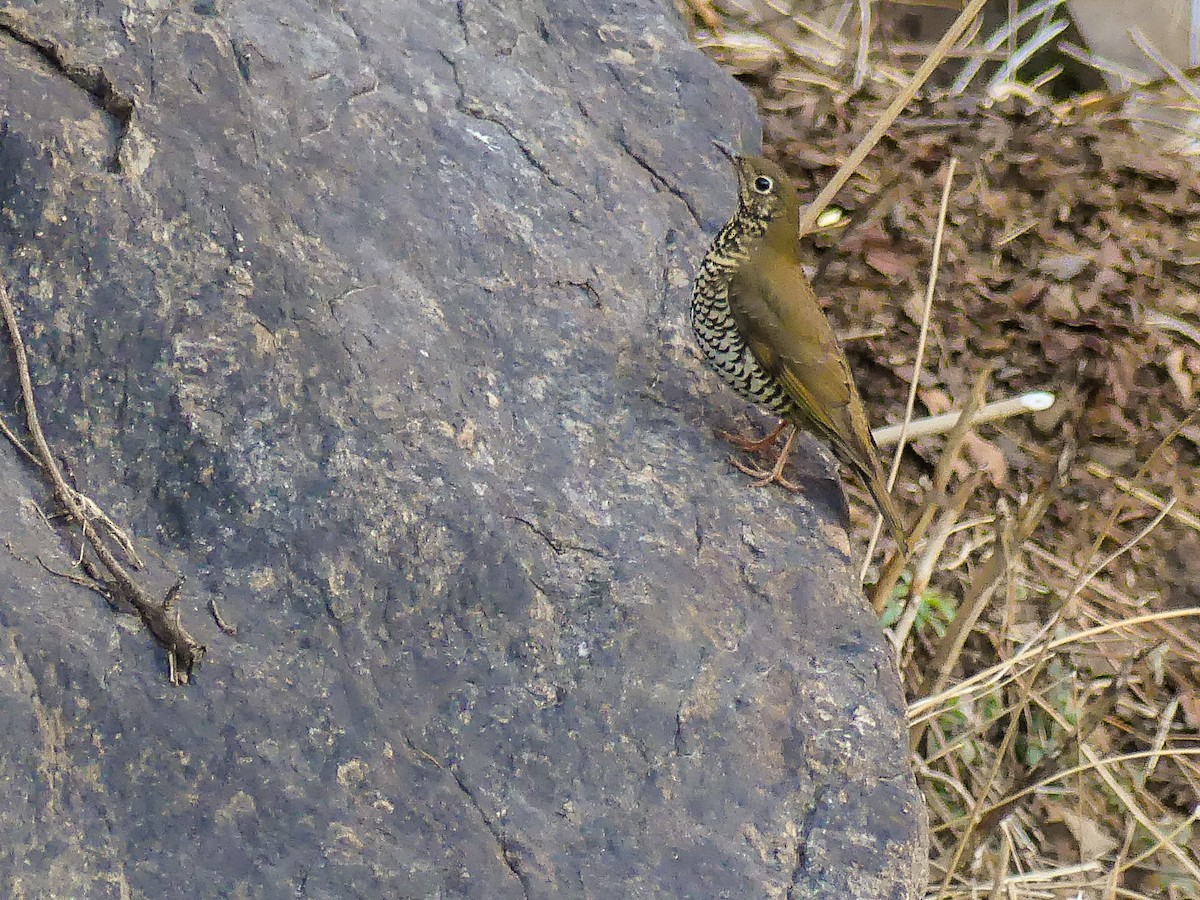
<point>781,237</point>
<point>737,241</point>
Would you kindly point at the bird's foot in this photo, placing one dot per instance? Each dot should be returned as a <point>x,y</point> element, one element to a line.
<point>763,477</point>
<point>774,475</point>
<point>753,445</point>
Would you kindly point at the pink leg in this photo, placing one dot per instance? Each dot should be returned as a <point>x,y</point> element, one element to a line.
<point>750,444</point>
<point>774,475</point>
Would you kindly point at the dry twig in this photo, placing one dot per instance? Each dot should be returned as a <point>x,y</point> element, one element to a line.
<point>1032,401</point>
<point>919,362</point>
<point>882,590</point>
<point>184,652</point>
<point>809,217</point>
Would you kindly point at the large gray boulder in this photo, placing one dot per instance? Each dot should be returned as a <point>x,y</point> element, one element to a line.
<point>369,318</point>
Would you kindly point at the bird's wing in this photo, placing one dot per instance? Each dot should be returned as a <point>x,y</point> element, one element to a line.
<point>783,323</point>
<point>786,329</point>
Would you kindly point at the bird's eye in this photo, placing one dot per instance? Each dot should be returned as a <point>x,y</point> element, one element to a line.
<point>763,184</point>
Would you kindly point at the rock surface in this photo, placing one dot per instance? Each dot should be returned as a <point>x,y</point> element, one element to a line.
<point>369,318</point>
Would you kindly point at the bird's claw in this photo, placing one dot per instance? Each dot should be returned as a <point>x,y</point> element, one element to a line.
<point>763,477</point>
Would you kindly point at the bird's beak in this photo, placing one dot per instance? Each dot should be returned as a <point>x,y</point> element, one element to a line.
<point>726,150</point>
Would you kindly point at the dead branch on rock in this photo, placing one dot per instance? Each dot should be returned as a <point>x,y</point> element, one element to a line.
<point>228,629</point>
<point>113,581</point>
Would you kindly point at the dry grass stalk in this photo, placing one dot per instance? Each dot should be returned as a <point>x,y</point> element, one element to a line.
<point>884,585</point>
<point>1006,33</point>
<point>1170,70</point>
<point>967,835</point>
<point>1004,672</point>
<point>996,411</point>
<point>979,592</point>
<point>808,218</point>
<point>919,362</point>
<point>1182,516</point>
<point>927,563</point>
<point>1118,509</point>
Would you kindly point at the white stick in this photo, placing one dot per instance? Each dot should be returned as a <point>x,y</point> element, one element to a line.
<point>1034,401</point>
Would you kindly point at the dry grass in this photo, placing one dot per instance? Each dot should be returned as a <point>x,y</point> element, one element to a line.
<point>1053,674</point>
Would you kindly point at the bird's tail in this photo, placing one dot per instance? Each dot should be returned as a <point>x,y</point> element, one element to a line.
<point>891,515</point>
<point>862,458</point>
<point>876,485</point>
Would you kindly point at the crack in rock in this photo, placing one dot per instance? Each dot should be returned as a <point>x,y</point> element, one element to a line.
<point>557,545</point>
<point>658,179</point>
<point>474,108</point>
<point>506,852</point>
<point>92,80</point>
<point>460,9</point>
<point>806,829</point>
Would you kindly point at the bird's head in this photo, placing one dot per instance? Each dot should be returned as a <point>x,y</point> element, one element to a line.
<point>765,192</point>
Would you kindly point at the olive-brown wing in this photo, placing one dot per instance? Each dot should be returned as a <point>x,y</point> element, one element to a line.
<point>783,323</point>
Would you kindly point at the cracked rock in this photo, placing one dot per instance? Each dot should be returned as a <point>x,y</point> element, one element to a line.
<point>382,344</point>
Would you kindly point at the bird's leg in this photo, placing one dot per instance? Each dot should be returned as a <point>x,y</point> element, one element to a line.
<point>751,445</point>
<point>775,473</point>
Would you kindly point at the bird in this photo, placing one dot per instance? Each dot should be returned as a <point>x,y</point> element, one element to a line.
<point>761,328</point>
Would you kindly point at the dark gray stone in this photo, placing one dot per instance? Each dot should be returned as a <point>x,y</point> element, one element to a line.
<point>368,317</point>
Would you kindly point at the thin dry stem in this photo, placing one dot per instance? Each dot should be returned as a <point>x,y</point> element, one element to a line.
<point>1122,550</point>
<point>919,362</point>
<point>926,313</point>
<point>986,580</point>
<point>156,615</point>
<point>862,61</point>
<point>18,443</point>
<point>1182,516</point>
<point>882,590</point>
<point>1000,673</point>
<point>1169,68</point>
<point>924,570</point>
<point>1003,79</point>
<point>1127,800</point>
<point>1090,765</point>
<point>1159,842</point>
<point>1165,720</point>
<point>998,410</point>
<point>809,217</point>
<point>966,838</point>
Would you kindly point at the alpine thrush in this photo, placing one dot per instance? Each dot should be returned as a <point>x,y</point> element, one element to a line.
<point>762,329</point>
